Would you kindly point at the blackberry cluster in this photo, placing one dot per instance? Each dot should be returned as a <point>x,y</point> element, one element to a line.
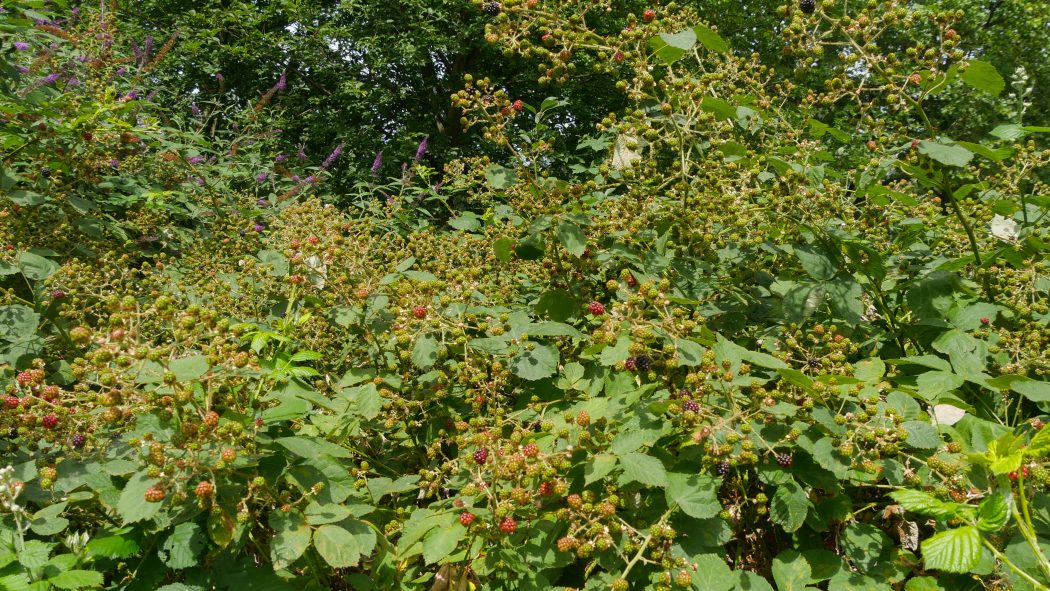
<point>690,406</point>
<point>78,440</point>
<point>784,460</point>
<point>808,6</point>
<point>643,362</point>
<point>491,8</point>
<point>723,468</point>
<point>481,456</point>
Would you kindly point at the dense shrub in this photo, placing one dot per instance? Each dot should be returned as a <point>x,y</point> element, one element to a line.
<point>756,330</point>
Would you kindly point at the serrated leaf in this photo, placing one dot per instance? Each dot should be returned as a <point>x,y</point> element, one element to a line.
<point>790,571</point>
<point>865,545</point>
<point>789,506</point>
<point>712,573</point>
<point>983,76</point>
<point>77,579</point>
<point>441,541</point>
<point>921,435</point>
<point>598,467</point>
<point>189,368</point>
<point>638,467</point>
<point>695,495</point>
<point>951,155</point>
<point>112,547</point>
<point>924,504</point>
<point>338,547</point>
<point>132,505</point>
<point>500,177</point>
<point>181,548</point>
<point>424,352</point>
<point>572,238</point>
<point>670,47</point>
<point>291,537</point>
<point>690,353</point>
<point>710,39</point>
<point>955,550</point>
<point>541,362</point>
<point>993,513</point>
<point>504,249</point>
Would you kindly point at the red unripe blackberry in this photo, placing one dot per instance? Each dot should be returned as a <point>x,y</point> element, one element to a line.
<point>12,402</point>
<point>583,419</point>
<point>518,105</point>
<point>547,39</point>
<point>481,456</point>
<point>545,489</point>
<point>649,15</point>
<point>985,320</point>
<point>630,364</point>
<point>154,494</point>
<point>619,56</point>
<point>574,501</point>
<point>567,544</point>
<point>228,455</point>
<point>466,518</point>
<point>419,312</point>
<point>596,308</point>
<point>508,525</point>
<point>531,450</point>
<point>784,460</point>
<point>49,421</point>
<point>204,489</point>
<point>211,419</point>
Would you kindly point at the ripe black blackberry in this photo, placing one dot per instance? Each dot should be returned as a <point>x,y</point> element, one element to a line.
<point>690,406</point>
<point>808,6</point>
<point>723,468</point>
<point>784,460</point>
<point>643,362</point>
<point>491,8</point>
<point>78,440</point>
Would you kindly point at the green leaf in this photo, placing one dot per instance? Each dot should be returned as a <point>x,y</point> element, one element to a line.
<point>983,76</point>
<point>670,47</point>
<point>934,383</point>
<point>132,505</point>
<point>869,370</point>
<point>789,506</point>
<point>845,296</point>
<point>189,368</point>
<point>112,547</point>
<point>500,177</point>
<point>310,448</point>
<point>924,584</point>
<point>541,362</point>
<point>865,545</point>
<point>35,266</point>
<point>47,521</point>
<point>710,39</point>
<point>690,353</point>
<point>424,352</point>
<point>181,548</point>
<point>504,249</point>
<point>220,527</point>
<point>338,547</point>
<point>791,572</point>
<point>441,542</point>
<point>749,581</point>
<point>529,250</point>
<point>572,237</point>
<point>557,304</point>
<point>1040,444</point>
<point>598,467</point>
<point>993,513</point>
<point>616,353</point>
<point>291,537</point>
<point>77,579</point>
<point>712,573</point>
<point>955,550</point>
<point>950,155</point>
<point>1031,389</point>
<point>275,263</point>
<point>816,264</point>
<point>638,467</point>
<point>17,321</point>
<point>921,435</point>
<point>695,495</point>
<point>924,504</point>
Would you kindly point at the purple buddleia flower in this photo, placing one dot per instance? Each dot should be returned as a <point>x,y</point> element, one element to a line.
<point>302,152</point>
<point>73,82</point>
<point>147,48</point>
<point>296,178</point>
<point>151,95</point>
<point>195,110</point>
<point>196,159</point>
<point>282,83</point>
<point>422,149</point>
<point>262,202</point>
<point>21,45</point>
<point>310,179</point>
<point>261,177</point>
<point>134,94</point>
<point>280,158</point>
<point>220,77</point>
<point>199,181</point>
<point>113,162</point>
<point>135,49</point>
<point>121,71</point>
<point>377,163</point>
<point>50,78</point>
<point>332,157</point>
<point>259,227</point>
<point>22,69</point>
<point>437,187</point>
<point>83,59</point>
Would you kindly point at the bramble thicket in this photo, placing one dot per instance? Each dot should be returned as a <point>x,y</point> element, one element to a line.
<point>531,294</point>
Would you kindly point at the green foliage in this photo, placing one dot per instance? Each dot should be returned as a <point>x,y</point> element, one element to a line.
<point>661,302</point>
